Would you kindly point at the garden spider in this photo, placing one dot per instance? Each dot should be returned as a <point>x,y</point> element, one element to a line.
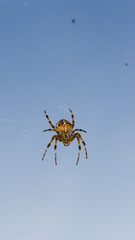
<point>65,134</point>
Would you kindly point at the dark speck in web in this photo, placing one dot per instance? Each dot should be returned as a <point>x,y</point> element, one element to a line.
<point>73,20</point>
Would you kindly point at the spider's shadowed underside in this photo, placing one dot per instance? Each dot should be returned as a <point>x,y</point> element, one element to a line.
<point>65,134</point>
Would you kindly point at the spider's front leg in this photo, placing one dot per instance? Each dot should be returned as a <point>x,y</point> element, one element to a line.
<point>55,147</point>
<point>55,136</point>
<point>83,144</point>
<point>79,146</point>
<point>78,136</point>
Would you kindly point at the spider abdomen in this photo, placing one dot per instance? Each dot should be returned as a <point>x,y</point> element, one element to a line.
<point>64,126</point>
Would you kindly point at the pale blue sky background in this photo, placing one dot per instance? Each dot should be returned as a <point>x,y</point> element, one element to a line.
<point>46,62</point>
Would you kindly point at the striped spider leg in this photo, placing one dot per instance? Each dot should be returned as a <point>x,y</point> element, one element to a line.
<point>55,146</point>
<point>78,136</point>
<point>49,120</point>
<point>72,115</point>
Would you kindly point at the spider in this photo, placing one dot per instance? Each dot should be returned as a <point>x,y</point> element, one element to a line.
<point>65,134</point>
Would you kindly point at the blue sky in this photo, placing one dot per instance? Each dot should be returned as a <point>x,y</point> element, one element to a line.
<point>49,63</point>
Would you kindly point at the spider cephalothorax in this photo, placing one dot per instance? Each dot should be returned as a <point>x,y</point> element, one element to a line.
<point>65,134</point>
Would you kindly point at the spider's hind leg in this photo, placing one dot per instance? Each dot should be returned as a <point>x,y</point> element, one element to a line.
<point>48,130</point>
<point>81,130</point>
<point>49,120</point>
<point>72,115</point>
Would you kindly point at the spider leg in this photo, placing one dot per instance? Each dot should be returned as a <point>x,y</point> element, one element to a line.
<point>49,120</point>
<point>72,115</point>
<point>48,146</point>
<point>79,146</point>
<point>83,144</point>
<point>78,135</point>
<point>81,130</point>
<point>48,130</point>
<point>55,147</point>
